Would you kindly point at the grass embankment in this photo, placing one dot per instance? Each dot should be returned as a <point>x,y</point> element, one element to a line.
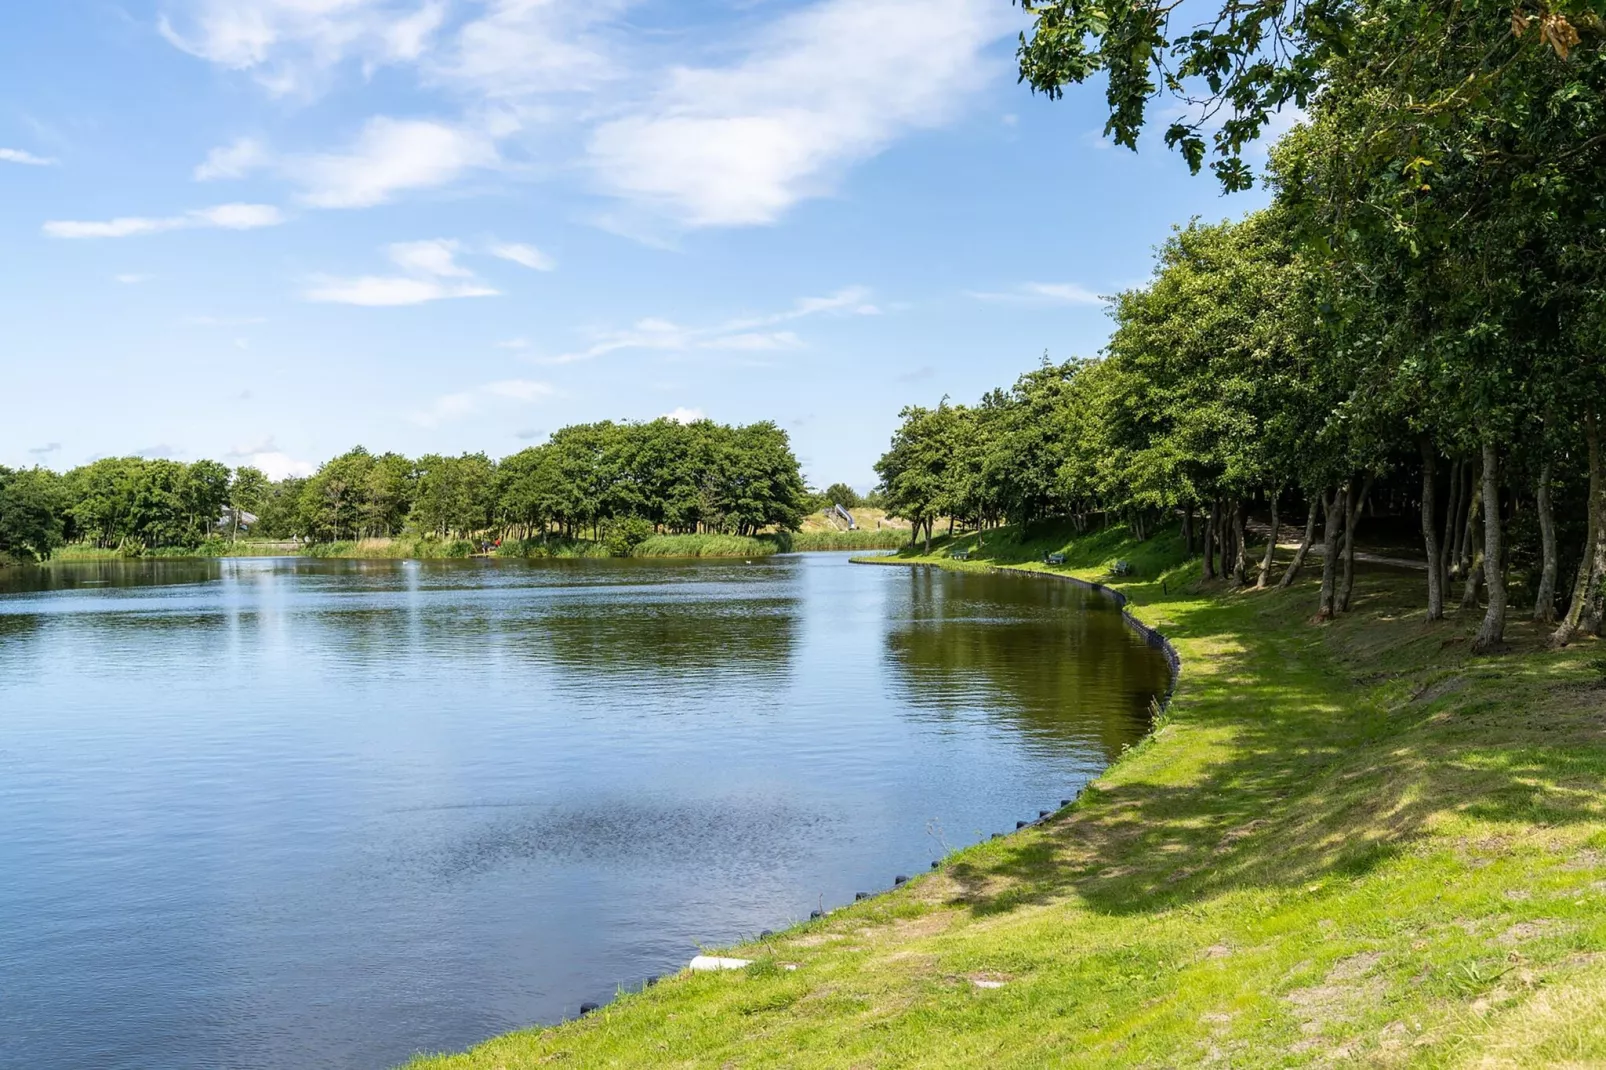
<point>711,546</point>
<point>1347,843</point>
<point>210,548</point>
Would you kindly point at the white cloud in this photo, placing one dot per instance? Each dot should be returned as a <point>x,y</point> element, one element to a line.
<point>273,461</point>
<point>524,48</point>
<point>223,216</point>
<point>389,157</point>
<point>435,257</point>
<point>683,415</point>
<point>1042,293</point>
<point>744,333</point>
<point>388,291</point>
<point>527,255</point>
<point>756,341</point>
<point>290,46</point>
<point>427,263</point>
<point>235,160</point>
<point>463,403</point>
<point>825,87</point>
<point>28,158</point>
<point>132,279</point>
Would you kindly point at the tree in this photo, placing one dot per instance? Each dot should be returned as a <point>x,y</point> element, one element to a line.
<point>843,495</point>
<point>31,508</point>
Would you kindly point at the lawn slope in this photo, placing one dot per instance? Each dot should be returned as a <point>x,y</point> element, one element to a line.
<point>1345,843</point>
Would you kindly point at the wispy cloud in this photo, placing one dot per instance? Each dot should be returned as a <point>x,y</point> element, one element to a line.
<point>745,333</point>
<point>1042,293</point>
<point>28,158</point>
<point>47,448</point>
<point>390,156</point>
<point>526,255</point>
<point>796,98</point>
<point>433,274</point>
<point>434,257</point>
<point>234,160</point>
<point>291,46</point>
<point>683,415</point>
<point>824,87</point>
<point>223,216</point>
<point>274,462</point>
<point>457,405</point>
<point>160,451</point>
<point>389,291</point>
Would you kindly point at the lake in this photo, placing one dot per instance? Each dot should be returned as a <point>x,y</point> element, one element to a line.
<point>295,813</point>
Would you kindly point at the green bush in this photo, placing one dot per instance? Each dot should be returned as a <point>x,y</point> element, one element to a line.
<point>622,536</point>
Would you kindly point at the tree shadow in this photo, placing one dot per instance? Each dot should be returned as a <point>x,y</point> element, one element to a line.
<point>1340,743</point>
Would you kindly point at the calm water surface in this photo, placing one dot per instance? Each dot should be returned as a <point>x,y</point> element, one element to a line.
<point>298,813</point>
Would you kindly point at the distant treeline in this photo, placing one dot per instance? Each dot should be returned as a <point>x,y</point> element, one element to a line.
<point>623,481</point>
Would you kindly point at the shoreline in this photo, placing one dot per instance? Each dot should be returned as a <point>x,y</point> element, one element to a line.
<point>1321,850</point>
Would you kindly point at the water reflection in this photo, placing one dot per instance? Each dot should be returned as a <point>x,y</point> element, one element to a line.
<point>285,813</point>
<point>1051,659</point>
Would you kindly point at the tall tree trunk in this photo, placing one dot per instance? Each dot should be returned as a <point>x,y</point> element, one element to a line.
<point>1352,517</point>
<point>1240,552</point>
<point>1304,545</point>
<point>1585,608</point>
<point>1467,522</point>
<point>1545,600</point>
<point>1187,526</point>
<point>928,535</point>
<point>1493,630</point>
<point>1335,509</point>
<point>1271,545</point>
<point>1430,534</point>
<point>1451,511</point>
<point>1210,540</point>
<point>1471,555</point>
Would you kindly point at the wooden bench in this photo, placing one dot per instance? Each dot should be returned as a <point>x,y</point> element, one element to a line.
<point>960,555</point>
<point>1055,559</point>
<point>1121,568</point>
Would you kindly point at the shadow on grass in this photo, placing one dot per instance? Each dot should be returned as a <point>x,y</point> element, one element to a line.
<point>1330,749</point>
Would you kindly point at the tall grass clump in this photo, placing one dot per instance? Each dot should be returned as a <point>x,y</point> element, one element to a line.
<point>872,539</point>
<point>714,545</point>
<point>551,547</point>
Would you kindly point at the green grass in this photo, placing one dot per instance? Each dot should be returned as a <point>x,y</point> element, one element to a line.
<point>862,539</point>
<point>216,547</point>
<point>713,546</point>
<point>1349,843</point>
<point>551,547</point>
<point>408,547</point>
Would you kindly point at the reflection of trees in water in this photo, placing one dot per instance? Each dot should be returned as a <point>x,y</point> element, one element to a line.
<point>669,636</point>
<point>1050,659</point>
<point>98,575</point>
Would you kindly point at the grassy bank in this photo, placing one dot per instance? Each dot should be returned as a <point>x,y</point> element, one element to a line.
<point>210,548</point>
<point>712,546</point>
<point>1349,843</point>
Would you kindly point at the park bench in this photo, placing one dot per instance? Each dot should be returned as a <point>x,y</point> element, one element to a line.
<point>1121,568</point>
<point>960,555</point>
<point>1055,559</point>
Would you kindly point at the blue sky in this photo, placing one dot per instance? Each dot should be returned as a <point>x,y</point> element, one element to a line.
<point>267,230</point>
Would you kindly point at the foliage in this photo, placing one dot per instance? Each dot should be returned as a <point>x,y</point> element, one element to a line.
<point>31,506</point>
<point>843,495</point>
<point>619,482</point>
